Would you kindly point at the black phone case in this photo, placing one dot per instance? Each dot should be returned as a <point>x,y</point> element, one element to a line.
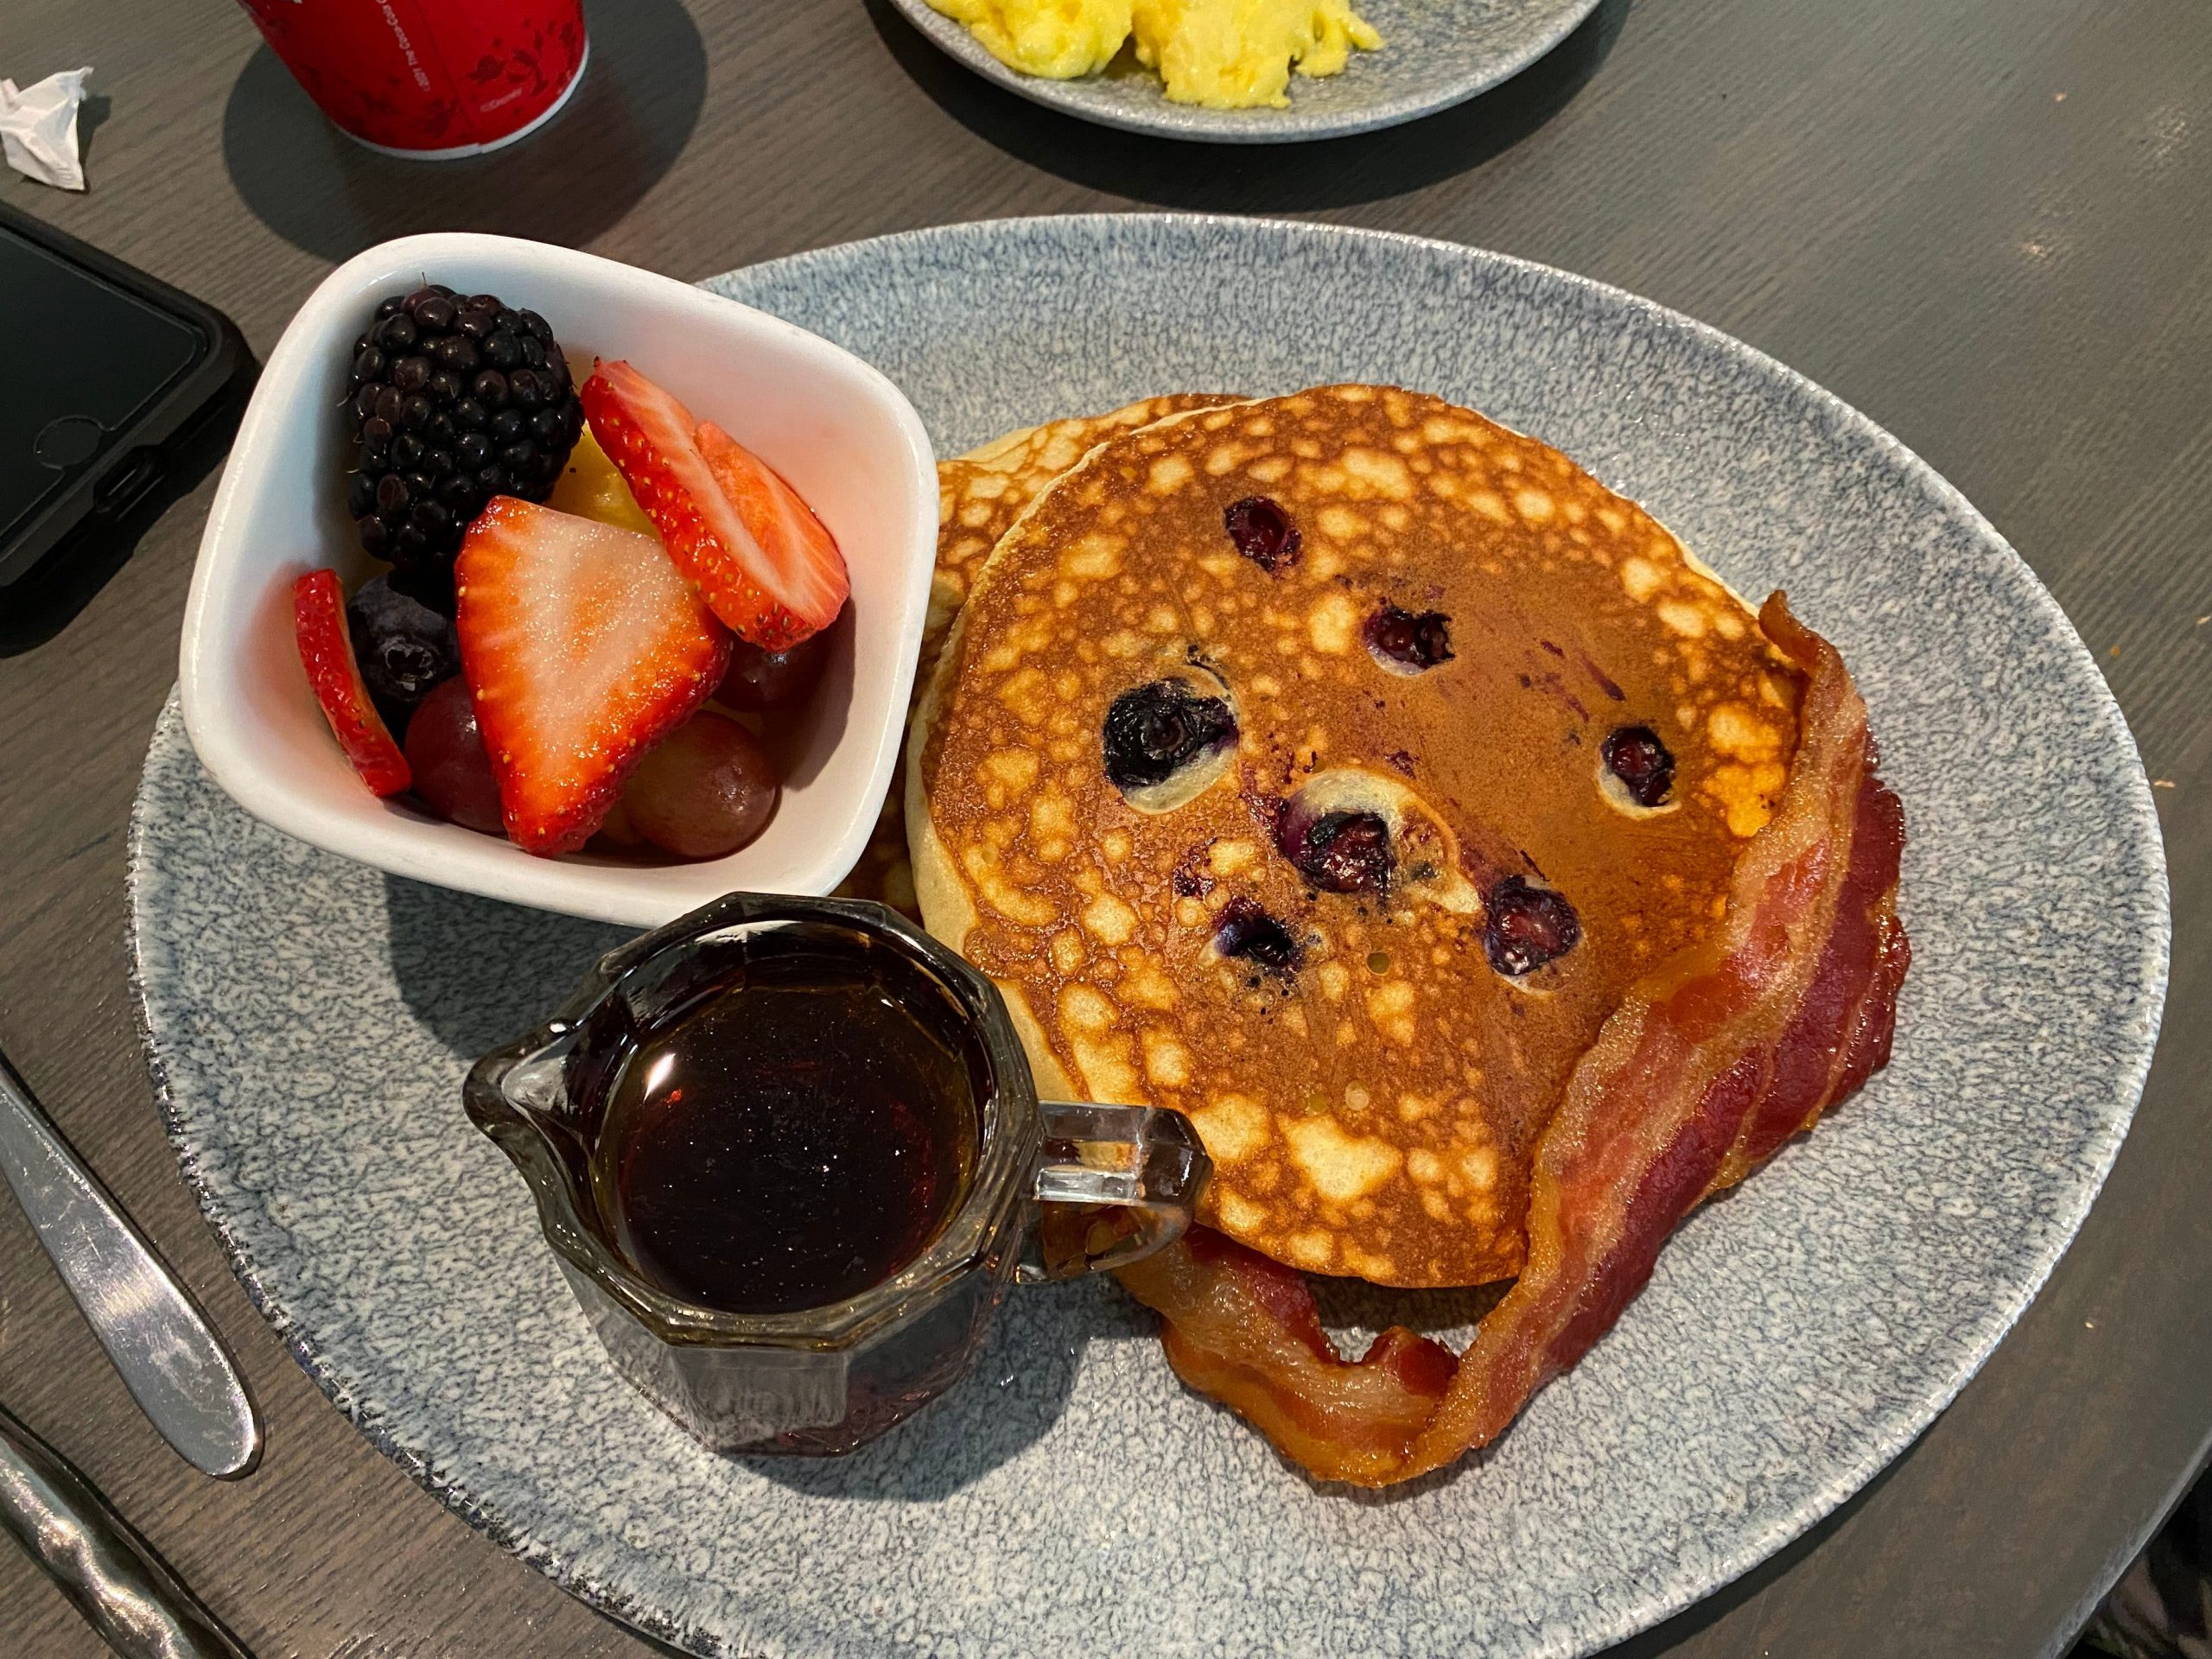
<point>135,457</point>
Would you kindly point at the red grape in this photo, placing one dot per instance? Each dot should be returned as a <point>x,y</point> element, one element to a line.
<point>446,753</point>
<point>706,790</point>
<point>759,679</point>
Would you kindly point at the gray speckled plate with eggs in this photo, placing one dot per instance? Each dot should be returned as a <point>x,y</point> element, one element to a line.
<point>1434,53</point>
<point>309,1021</point>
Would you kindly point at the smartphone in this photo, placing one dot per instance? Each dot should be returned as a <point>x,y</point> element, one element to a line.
<point>109,375</point>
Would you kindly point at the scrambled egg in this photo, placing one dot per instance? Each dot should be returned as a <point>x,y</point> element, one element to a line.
<point>1227,55</point>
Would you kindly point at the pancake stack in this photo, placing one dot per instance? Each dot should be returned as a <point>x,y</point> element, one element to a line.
<point>1326,767</point>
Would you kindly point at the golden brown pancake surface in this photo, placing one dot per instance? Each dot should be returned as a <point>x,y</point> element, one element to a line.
<point>979,495</point>
<point>1370,1037</point>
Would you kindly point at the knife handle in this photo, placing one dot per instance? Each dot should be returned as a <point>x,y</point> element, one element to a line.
<point>174,1365</point>
<point>122,1588</point>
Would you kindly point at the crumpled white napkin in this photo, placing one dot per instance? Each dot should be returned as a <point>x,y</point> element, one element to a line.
<point>38,128</point>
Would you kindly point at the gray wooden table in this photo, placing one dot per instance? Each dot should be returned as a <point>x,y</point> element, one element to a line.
<point>1988,223</point>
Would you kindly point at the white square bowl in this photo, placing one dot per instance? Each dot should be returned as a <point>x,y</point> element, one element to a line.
<point>843,436</point>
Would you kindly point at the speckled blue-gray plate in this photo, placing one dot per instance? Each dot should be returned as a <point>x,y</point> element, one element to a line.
<point>310,1022</point>
<point>1434,53</point>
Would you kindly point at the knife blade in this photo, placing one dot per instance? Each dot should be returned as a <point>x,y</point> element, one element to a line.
<point>170,1357</point>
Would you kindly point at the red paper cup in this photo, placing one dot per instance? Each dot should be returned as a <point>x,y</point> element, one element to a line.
<point>430,79</point>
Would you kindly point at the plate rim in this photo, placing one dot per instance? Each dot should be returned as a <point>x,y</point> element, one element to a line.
<point>2135,822</point>
<point>1196,124</point>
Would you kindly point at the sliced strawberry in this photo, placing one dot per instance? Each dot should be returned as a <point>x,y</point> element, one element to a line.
<point>327,652</point>
<point>583,646</point>
<point>763,561</point>
<point>814,581</point>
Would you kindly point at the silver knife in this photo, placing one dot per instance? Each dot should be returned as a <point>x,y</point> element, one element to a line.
<point>171,1359</point>
<point>125,1591</point>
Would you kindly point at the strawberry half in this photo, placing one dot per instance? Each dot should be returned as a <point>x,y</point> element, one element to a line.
<point>326,653</point>
<point>763,560</point>
<point>583,646</point>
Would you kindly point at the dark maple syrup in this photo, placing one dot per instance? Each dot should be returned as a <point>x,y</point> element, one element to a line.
<point>793,1132</point>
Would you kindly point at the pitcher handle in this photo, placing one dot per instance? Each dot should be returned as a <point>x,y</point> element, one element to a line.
<point>1116,1183</point>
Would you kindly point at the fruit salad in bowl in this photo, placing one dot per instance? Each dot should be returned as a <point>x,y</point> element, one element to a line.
<point>604,591</point>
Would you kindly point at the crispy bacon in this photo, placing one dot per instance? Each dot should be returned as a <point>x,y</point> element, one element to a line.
<point>1710,1064</point>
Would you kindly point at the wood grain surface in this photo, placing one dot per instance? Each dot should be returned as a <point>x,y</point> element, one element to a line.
<point>1984,222</point>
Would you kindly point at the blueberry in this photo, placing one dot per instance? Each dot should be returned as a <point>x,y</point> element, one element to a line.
<point>1262,532</point>
<point>1527,927</point>
<point>1410,640</point>
<point>1645,766</point>
<point>1153,731</point>
<point>404,648</point>
<point>1248,932</point>
<point>1337,852</point>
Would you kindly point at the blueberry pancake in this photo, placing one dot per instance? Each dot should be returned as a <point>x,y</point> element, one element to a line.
<point>1328,767</point>
<point>980,495</point>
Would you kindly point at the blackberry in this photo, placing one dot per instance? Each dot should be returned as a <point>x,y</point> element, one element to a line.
<point>453,399</point>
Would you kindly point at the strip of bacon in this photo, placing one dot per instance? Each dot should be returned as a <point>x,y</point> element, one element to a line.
<point>1245,1330</point>
<point>1712,1062</point>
